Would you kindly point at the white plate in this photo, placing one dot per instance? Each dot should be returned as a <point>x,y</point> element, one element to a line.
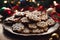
<point>50,30</point>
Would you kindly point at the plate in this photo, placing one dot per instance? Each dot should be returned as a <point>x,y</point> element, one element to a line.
<point>50,30</point>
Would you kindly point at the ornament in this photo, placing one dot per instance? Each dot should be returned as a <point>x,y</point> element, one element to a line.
<point>57,9</point>
<point>5,8</point>
<point>27,0</point>
<point>55,3</point>
<point>31,8</point>
<point>55,16</point>
<point>55,35</point>
<point>50,38</point>
<point>16,11</point>
<point>5,1</point>
<point>22,9</point>
<point>15,8</point>
<point>52,16</point>
<point>38,4</point>
<point>8,12</point>
<point>19,2</point>
<point>40,8</point>
<point>49,10</point>
<point>57,6</point>
<point>33,1</point>
<point>30,0</point>
<point>12,2</point>
<point>2,9</point>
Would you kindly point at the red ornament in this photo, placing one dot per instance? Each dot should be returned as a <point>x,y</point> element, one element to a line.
<point>31,8</point>
<point>53,16</point>
<point>40,8</point>
<point>55,19</point>
<point>16,8</point>
<point>8,12</point>
<point>58,14</point>
<point>58,6</point>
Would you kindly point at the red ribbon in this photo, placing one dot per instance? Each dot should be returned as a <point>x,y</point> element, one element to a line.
<point>55,18</point>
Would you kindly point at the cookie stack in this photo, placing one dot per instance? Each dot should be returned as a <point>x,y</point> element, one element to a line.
<point>31,22</point>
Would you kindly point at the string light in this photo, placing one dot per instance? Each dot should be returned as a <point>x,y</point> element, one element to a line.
<point>16,11</point>
<point>19,2</point>
<point>27,0</point>
<point>50,38</point>
<point>38,4</point>
<point>30,0</point>
<point>5,1</point>
<point>33,1</point>
<point>12,2</point>
<point>55,3</point>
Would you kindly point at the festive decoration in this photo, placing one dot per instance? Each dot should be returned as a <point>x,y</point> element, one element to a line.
<point>15,7</point>
<point>27,0</point>
<point>40,8</point>
<point>33,1</point>
<point>55,36</point>
<point>31,8</point>
<point>54,16</point>
<point>31,5</point>
<point>50,38</point>
<point>19,2</point>
<point>58,8</point>
<point>8,12</point>
<point>5,1</point>
<point>24,9</point>
<point>5,10</point>
<point>56,12</point>
<point>2,10</point>
<point>12,2</point>
<point>45,3</point>
<point>3,7</point>
<point>38,4</point>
